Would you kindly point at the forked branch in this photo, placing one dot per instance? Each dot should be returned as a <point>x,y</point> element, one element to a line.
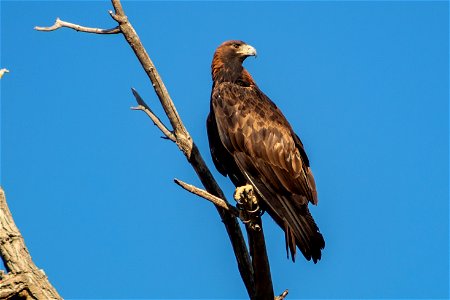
<point>145,108</point>
<point>188,147</point>
<point>211,198</point>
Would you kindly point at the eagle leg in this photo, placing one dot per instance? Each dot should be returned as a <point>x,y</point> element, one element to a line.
<point>247,203</point>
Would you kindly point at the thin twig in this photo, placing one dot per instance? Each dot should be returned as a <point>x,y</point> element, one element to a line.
<point>3,71</point>
<point>145,108</point>
<point>210,197</point>
<point>59,24</point>
<point>282,296</point>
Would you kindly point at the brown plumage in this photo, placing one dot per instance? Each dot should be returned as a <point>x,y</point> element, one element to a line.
<point>252,142</point>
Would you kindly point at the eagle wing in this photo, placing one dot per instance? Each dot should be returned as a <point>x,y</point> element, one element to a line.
<point>248,122</point>
<point>254,143</point>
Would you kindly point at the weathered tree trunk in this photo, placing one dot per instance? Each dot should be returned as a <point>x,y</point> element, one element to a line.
<point>24,280</point>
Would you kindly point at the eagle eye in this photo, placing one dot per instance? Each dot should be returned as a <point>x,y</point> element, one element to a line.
<point>236,46</point>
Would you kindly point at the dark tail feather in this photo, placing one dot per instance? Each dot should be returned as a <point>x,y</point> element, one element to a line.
<point>314,239</point>
<point>290,241</point>
<point>301,231</point>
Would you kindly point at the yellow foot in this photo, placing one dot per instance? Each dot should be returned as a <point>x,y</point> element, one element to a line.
<point>243,193</point>
<point>247,203</point>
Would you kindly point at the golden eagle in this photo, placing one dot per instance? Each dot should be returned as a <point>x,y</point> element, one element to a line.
<point>252,142</point>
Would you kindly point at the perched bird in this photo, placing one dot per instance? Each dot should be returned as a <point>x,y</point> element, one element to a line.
<point>251,142</point>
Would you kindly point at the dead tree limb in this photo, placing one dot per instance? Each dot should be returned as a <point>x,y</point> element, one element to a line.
<point>210,197</point>
<point>144,107</point>
<point>59,24</point>
<point>24,279</point>
<point>180,136</point>
<point>250,214</point>
<point>195,159</point>
<point>187,146</point>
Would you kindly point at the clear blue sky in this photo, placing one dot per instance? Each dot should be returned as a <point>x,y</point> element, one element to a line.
<point>89,182</point>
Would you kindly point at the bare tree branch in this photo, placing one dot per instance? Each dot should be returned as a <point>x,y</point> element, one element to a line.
<point>145,108</point>
<point>23,277</point>
<point>187,146</point>
<point>184,139</point>
<point>251,213</point>
<point>205,195</point>
<point>59,24</point>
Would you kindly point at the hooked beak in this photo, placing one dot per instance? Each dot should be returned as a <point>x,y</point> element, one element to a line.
<point>247,50</point>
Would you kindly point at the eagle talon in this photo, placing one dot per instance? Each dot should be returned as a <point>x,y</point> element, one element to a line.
<point>247,204</point>
<point>243,193</point>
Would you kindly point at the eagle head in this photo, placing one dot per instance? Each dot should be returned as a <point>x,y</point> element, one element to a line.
<point>235,50</point>
<point>228,59</point>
